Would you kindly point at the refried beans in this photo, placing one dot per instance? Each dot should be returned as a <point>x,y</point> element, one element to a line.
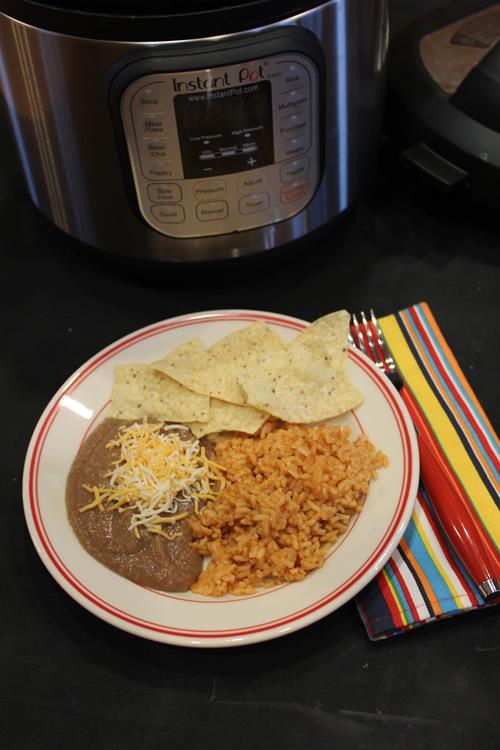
<point>150,560</point>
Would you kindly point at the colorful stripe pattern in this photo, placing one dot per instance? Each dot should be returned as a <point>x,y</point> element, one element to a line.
<point>424,580</point>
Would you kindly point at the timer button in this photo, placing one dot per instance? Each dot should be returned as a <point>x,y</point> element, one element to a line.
<point>212,210</point>
<point>209,189</point>
<point>252,204</point>
<point>292,170</point>
<point>171,214</point>
<point>164,192</point>
<point>251,182</point>
<point>294,191</point>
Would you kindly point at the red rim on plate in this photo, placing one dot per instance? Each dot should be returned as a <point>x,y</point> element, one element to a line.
<point>255,631</point>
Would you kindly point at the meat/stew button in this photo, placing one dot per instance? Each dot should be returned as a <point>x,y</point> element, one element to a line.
<point>294,191</point>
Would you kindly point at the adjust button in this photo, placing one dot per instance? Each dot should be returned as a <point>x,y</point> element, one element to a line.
<point>209,189</point>
<point>172,214</point>
<point>294,169</point>
<point>250,183</point>
<point>253,204</point>
<point>294,191</point>
<point>164,192</point>
<point>212,210</point>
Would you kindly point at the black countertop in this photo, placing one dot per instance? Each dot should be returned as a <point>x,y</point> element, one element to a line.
<point>69,679</point>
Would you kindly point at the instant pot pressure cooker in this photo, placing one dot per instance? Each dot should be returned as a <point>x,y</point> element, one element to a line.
<point>185,130</point>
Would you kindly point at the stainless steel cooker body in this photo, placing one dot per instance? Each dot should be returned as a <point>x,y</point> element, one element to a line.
<point>91,118</point>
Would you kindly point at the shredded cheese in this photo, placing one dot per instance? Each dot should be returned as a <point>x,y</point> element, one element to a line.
<point>157,470</point>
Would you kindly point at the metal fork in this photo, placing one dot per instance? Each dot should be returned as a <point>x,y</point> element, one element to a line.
<point>445,492</point>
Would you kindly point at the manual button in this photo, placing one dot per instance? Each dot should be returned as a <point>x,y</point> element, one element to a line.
<point>212,210</point>
<point>253,204</point>
<point>294,169</point>
<point>171,214</point>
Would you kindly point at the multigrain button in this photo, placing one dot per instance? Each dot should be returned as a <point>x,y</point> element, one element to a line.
<point>164,192</point>
<point>212,210</point>
<point>292,170</point>
<point>293,101</point>
<point>170,214</point>
<point>294,191</point>
<point>252,182</point>
<point>209,189</point>
<point>253,204</point>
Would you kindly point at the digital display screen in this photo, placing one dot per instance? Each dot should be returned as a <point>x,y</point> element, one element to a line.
<point>225,131</point>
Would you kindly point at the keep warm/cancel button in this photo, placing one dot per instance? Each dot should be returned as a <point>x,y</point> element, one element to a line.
<point>212,210</point>
<point>294,191</point>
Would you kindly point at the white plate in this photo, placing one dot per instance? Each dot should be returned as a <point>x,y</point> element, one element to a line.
<point>187,619</point>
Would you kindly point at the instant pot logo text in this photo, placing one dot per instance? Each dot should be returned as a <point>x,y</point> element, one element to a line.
<point>243,75</point>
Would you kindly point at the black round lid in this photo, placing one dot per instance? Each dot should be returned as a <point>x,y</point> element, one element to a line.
<point>153,20</point>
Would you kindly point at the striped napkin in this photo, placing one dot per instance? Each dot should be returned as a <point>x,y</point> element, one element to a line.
<point>424,581</point>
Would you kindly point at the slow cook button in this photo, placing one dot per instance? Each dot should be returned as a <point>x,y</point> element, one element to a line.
<point>164,192</point>
<point>209,189</point>
<point>252,182</point>
<point>212,210</point>
<point>253,204</point>
<point>294,146</point>
<point>294,169</point>
<point>172,214</point>
<point>294,191</point>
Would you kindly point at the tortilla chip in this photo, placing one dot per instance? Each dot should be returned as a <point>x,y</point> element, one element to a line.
<point>139,390</point>
<point>313,384</point>
<point>215,372</point>
<point>229,417</point>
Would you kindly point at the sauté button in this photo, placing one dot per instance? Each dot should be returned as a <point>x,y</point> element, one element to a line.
<point>171,214</point>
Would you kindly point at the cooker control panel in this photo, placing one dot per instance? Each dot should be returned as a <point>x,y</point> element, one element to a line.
<point>224,149</point>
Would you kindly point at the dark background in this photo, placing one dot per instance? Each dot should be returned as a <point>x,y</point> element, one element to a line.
<point>69,680</point>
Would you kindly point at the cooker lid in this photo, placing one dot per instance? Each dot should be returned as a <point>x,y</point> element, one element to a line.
<point>153,20</point>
